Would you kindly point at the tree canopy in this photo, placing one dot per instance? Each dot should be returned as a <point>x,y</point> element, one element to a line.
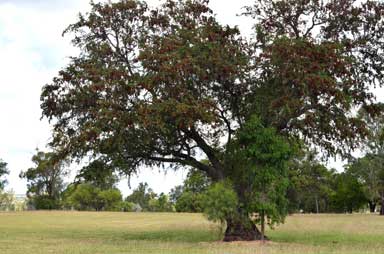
<point>170,85</point>
<point>98,174</point>
<point>45,180</point>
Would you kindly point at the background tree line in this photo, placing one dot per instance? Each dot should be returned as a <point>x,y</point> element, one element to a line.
<point>313,188</point>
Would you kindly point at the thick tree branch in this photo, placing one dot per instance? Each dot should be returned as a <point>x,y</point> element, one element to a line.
<point>209,151</point>
<point>186,160</point>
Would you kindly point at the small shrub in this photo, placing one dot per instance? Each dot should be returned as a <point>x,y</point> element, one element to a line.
<point>220,202</point>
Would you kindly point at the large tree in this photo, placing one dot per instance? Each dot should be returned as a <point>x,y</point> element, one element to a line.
<point>348,195</point>
<point>141,196</point>
<point>170,85</point>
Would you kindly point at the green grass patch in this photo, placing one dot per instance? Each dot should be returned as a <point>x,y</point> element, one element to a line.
<point>112,233</point>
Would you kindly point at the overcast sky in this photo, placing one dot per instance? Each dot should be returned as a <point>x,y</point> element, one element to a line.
<point>32,51</point>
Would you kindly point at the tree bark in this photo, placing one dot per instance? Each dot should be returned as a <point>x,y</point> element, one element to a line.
<point>262,226</point>
<point>372,206</point>
<point>242,229</point>
<point>317,204</point>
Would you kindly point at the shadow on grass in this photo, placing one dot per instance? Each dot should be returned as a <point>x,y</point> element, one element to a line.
<point>107,235</point>
<point>190,236</point>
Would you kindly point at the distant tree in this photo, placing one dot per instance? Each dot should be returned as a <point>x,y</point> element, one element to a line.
<point>168,85</point>
<point>86,197</point>
<point>148,200</point>
<point>141,196</point>
<point>126,206</point>
<point>7,201</point>
<point>191,198</point>
<point>196,181</point>
<point>164,204</point>
<point>310,184</point>
<point>369,169</point>
<point>82,197</point>
<point>45,180</point>
<point>190,202</point>
<point>348,195</point>
<point>160,204</point>
<point>98,174</point>
<point>66,193</point>
<point>3,171</point>
<point>110,200</point>
<point>95,189</point>
<point>374,144</point>
<point>175,193</point>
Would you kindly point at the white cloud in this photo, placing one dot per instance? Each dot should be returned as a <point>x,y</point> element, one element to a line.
<point>42,4</point>
<point>31,50</point>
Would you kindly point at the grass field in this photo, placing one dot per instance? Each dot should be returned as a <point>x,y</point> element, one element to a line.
<point>112,233</point>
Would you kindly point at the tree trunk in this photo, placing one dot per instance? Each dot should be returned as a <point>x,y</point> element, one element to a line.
<point>262,226</point>
<point>242,229</point>
<point>382,204</point>
<point>372,206</point>
<point>317,204</point>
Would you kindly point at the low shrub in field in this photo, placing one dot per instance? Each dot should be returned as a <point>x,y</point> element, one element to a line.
<point>220,202</point>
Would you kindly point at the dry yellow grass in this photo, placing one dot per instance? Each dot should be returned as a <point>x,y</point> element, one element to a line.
<point>112,233</point>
